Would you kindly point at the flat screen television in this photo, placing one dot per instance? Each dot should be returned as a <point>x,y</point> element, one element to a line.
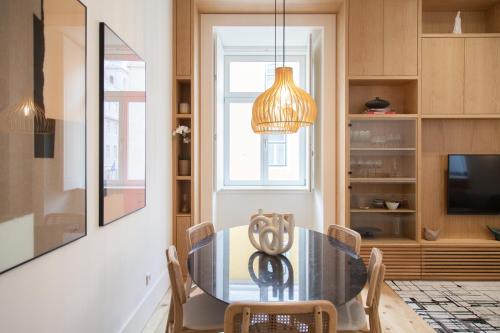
<point>473,184</point>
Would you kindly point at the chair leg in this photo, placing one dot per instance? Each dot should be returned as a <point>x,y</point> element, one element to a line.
<point>170,318</point>
<point>374,320</point>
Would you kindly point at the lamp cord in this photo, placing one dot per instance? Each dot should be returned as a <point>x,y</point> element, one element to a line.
<point>283,33</point>
<point>275,13</point>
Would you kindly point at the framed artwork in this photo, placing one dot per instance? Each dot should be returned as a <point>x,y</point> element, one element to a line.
<point>122,153</point>
<point>42,127</point>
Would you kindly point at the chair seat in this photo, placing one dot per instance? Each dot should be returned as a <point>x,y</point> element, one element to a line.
<point>203,312</point>
<point>351,316</point>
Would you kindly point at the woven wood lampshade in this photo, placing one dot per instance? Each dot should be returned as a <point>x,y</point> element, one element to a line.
<point>284,107</point>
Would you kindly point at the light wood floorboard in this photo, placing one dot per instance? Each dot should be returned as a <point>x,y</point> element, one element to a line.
<point>396,316</point>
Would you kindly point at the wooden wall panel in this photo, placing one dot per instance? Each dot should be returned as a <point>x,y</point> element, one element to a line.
<point>183,35</point>
<point>403,262</point>
<point>400,37</point>
<point>493,19</point>
<point>443,137</point>
<point>482,76</point>
<point>442,75</point>
<point>366,37</point>
<point>456,262</point>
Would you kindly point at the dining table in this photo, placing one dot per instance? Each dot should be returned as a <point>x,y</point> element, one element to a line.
<point>226,266</point>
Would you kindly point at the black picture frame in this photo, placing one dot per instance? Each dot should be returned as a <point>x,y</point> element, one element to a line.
<point>103,190</point>
<point>48,149</point>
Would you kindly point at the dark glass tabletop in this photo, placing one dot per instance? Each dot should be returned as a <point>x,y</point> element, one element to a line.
<point>228,267</point>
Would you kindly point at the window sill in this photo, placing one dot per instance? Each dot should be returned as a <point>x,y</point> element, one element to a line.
<point>264,190</point>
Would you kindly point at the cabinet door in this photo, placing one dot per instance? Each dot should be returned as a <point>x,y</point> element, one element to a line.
<point>442,76</point>
<point>482,75</point>
<point>366,44</point>
<point>400,37</point>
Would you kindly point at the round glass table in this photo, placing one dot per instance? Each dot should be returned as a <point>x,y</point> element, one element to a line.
<point>227,266</point>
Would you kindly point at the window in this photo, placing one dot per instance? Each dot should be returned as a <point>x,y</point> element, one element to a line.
<point>259,160</point>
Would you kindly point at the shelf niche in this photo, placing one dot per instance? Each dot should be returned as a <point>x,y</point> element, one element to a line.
<point>441,137</point>
<point>478,16</point>
<point>401,93</point>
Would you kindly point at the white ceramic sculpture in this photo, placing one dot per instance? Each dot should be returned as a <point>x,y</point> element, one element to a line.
<point>272,233</point>
<point>457,28</point>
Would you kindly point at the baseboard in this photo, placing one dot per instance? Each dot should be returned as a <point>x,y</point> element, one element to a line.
<point>147,306</point>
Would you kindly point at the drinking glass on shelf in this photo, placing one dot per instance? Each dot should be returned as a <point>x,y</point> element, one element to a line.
<point>369,166</point>
<point>378,165</point>
<point>362,168</point>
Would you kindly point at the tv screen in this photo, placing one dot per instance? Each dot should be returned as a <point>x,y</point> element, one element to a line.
<point>473,184</point>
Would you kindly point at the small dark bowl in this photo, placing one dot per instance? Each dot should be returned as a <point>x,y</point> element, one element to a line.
<point>377,103</point>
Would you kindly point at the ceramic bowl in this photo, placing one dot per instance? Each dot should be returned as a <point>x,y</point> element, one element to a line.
<point>392,205</point>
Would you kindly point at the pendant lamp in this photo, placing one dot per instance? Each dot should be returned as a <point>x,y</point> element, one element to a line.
<point>283,108</point>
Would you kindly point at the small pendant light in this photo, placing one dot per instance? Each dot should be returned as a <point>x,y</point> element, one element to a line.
<point>284,107</point>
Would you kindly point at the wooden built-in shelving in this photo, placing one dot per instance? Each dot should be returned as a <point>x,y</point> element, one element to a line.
<point>184,184</point>
<point>451,98</point>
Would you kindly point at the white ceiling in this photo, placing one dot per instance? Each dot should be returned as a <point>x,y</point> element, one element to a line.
<point>262,36</point>
<point>267,6</point>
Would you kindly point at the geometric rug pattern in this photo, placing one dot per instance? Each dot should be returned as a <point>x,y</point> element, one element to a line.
<point>450,307</point>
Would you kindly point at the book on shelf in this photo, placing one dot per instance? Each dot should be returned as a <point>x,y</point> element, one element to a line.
<point>380,111</point>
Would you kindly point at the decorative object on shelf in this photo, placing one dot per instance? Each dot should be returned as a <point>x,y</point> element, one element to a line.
<point>367,232</point>
<point>185,205</point>
<point>183,131</point>
<point>495,232</point>
<point>377,103</point>
<point>184,167</point>
<point>122,132</point>
<point>378,203</point>
<point>284,107</point>
<point>392,205</point>
<point>272,232</point>
<point>431,235</point>
<point>184,108</point>
<point>42,125</point>
<point>184,163</point>
<point>457,28</point>
<point>378,106</point>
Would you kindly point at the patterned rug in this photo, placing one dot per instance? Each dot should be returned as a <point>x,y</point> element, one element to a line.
<point>453,306</point>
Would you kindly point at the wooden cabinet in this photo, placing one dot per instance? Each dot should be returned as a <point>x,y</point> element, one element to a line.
<point>460,76</point>
<point>366,51</point>
<point>442,76</point>
<point>482,76</point>
<point>383,37</point>
<point>400,37</point>
<point>183,34</point>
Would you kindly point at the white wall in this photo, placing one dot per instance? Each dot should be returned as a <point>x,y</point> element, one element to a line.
<point>97,284</point>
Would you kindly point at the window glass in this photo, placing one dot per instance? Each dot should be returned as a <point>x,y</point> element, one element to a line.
<point>290,168</point>
<point>244,144</point>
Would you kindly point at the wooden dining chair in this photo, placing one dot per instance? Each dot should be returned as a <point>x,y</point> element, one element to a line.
<point>195,234</point>
<point>345,235</point>
<point>308,316</point>
<point>201,313</point>
<point>352,315</point>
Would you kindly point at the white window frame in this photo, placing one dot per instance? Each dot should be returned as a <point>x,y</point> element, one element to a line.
<point>249,97</point>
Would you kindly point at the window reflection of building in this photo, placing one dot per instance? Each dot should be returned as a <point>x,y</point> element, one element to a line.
<point>124,115</point>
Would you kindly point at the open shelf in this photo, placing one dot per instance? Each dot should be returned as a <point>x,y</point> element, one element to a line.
<point>383,149</point>
<point>383,211</point>
<point>389,241</point>
<point>387,226</point>
<point>383,180</point>
<point>463,35</point>
<point>461,116</point>
<point>401,93</point>
<point>478,16</point>
<point>382,116</point>
<point>465,242</point>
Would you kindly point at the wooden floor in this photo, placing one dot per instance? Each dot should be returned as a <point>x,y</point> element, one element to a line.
<point>395,315</point>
